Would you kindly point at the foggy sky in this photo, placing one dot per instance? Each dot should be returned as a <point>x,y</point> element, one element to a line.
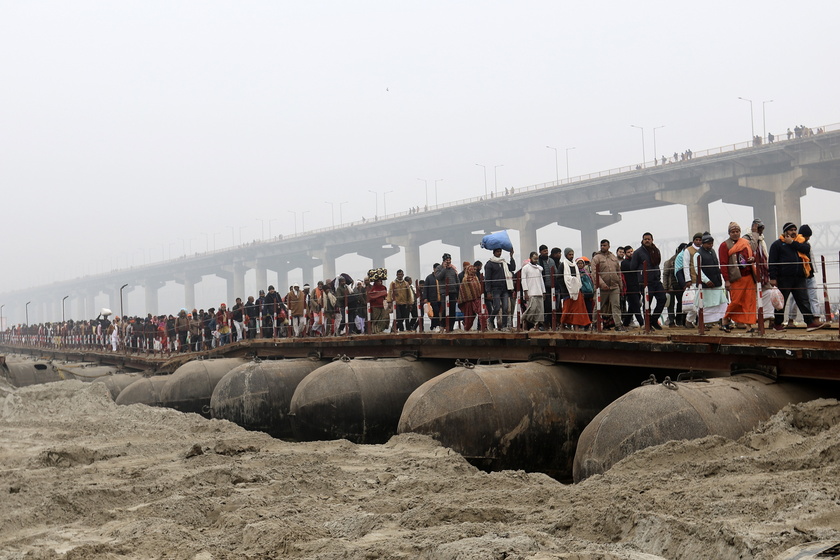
<point>136,131</point>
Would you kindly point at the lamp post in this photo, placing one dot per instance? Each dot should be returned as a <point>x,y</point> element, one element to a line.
<point>752,121</point>
<point>376,195</point>
<point>340,215</point>
<point>121,300</point>
<point>764,116</point>
<point>62,307</point>
<point>495,177</point>
<point>385,202</point>
<point>1,315</point>
<point>556,163</point>
<point>643,142</point>
<point>436,198</point>
<point>485,177</point>
<point>567,162</point>
<point>294,216</point>
<point>654,142</point>
<point>26,310</point>
<point>426,183</point>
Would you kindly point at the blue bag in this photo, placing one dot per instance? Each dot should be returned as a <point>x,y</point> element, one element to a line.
<point>499,240</point>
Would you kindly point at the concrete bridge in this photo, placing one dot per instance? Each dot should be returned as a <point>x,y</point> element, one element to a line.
<point>770,178</point>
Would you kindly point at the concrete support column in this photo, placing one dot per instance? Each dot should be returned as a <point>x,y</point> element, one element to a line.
<point>282,278</point>
<point>696,201</point>
<point>411,243</point>
<point>527,227</point>
<point>765,210</point>
<point>151,291</point>
<point>238,282</point>
<point>788,207</point>
<point>80,306</point>
<point>327,258</point>
<point>308,271</point>
<point>189,292</point>
<point>377,253</point>
<point>262,277</point>
<point>90,305</point>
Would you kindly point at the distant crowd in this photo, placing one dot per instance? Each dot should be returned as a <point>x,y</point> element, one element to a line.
<point>737,285</point>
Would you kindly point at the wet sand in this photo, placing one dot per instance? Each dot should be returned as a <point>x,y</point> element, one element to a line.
<point>81,478</point>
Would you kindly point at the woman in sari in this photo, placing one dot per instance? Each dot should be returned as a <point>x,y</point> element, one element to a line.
<point>737,264</point>
<point>469,296</point>
<point>575,313</point>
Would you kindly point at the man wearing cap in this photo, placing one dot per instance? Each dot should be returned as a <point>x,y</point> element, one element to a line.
<point>788,273</point>
<point>447,276</point>
<point>607,269</point>
<point>710,280</point>
<point>533,288</point>
<point>272,304</point>
<point>804,236</point>
<point>400,295</point>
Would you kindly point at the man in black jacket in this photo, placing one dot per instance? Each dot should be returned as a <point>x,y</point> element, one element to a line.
<point>498,284</point>
<point>431,295</point>
<point>788,273</point>
<point>649,254</point>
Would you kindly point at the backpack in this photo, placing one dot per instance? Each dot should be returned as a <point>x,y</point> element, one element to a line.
<point>586,287</point>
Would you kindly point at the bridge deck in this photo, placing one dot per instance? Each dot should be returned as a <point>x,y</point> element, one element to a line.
<point>794,354</point>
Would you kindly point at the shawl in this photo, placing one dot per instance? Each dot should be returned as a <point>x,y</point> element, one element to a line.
<point>806,261</point>
<point>655,255</point>
<point>571,277</point>
<point>508,273</point>
<point>470,289</point>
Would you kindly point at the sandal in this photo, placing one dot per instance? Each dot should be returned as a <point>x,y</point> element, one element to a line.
<point>726,328</point>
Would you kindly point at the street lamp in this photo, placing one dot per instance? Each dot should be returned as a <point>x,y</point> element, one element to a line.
<point>26,310</point>
<point>495,177</point>
<point>556,163</point>
<point>1,315</point>
<point>485,177</point>
<point>436,198</point>
<point>643,142</point>
<point>62,307</point>
<point>567,162</point>
<point>385,203</point>
<point>764,116</point>
<point>121,300</point>
<point>654,142</point>
<point>752,121</point>
<point>376,195</point>
<point>426,182</point>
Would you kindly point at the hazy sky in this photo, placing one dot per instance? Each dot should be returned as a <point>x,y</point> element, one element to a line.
<point>132,131</point>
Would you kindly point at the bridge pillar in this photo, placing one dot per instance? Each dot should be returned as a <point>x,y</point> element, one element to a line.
<point>696,201</point>
<point>261,277</point>
<point>589,224</point>
<point>527,226</point>
<point>411,243</point>
<point>90,305</point>
<point>189,292</point>
<point>765,210</point>
<point>238,286</point>
<point>327,257</point>
<point>787,188</point>
<point>151,288</point>
<point>378,253</point>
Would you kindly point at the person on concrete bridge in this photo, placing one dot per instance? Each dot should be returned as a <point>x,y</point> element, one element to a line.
<point>788,272</point>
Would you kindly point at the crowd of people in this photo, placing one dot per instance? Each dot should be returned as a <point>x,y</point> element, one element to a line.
<point>736,285</point>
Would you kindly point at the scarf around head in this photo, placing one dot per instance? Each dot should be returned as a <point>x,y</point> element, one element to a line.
<point>470,289</point>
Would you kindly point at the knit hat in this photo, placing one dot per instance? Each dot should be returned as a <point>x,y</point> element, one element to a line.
<point>758,222</point>
<point>697,235</point>
<point>733,225</point>
<point>707,237</point>
<point>567,250</point>
<point>805,231</point>
<point>788,225</point>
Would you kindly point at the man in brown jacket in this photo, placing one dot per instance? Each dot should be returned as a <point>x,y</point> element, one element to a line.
<point>609,279</point>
